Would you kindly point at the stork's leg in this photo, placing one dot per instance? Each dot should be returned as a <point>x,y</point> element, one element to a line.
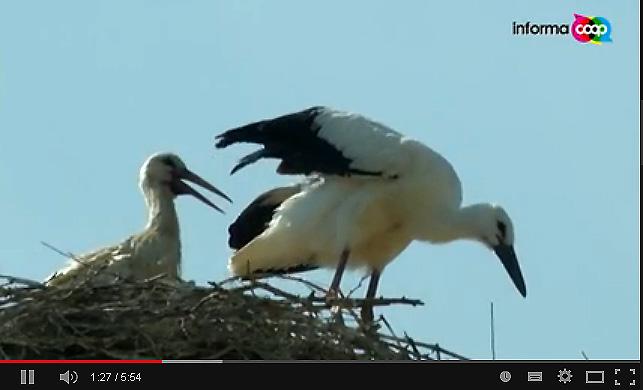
<point>367,307</point>
<point>333,291</point>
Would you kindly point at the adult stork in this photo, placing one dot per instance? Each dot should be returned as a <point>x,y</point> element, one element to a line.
<point>157,249</point>
<point>369,192</point>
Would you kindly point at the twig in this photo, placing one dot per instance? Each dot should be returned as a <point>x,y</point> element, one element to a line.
<point>62,320</point>
<point>388,326</point>
<point>100,269</point>
<point>53,248</point>
<point>219,285</point>
<point>359,285</point>
<point>351,311</point>
<point>412,344</point>
<point>308,283</point>
<point>278,292</point>
<point>183,329</point>
<point>390,329</point>
<point>153,278</point>
<point>226,281</point>
<point>4,355</point>
<point>202,301</point>
<point>222,352</point>
<point>151,342</point>
<point>357,302</point>
<point>404,349</point>
<point>433,347</point>
<point>344,302</point>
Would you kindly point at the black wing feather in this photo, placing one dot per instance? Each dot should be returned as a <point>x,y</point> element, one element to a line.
<point>294,139</point>
<point>255,218</point>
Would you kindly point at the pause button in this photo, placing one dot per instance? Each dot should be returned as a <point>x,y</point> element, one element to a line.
<point>27,378</point>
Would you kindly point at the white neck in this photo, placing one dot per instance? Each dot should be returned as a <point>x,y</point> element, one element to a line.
<point>161,211</point>
<point>454,224</point>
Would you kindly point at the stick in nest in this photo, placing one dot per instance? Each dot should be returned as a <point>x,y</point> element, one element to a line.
<point>343,302</point>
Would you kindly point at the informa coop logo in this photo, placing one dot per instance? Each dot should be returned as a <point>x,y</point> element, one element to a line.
<point>584,29</point>
<point>592,29</point>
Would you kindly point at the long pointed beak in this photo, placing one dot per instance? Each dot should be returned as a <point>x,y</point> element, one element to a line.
<point>180,187</point>
<point>507,256</point>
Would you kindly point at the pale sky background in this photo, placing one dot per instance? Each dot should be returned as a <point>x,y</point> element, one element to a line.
<point>543,125</point>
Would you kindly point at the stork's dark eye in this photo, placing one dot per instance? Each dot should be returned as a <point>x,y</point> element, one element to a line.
<point>169,162</point>
<point>503,228</point>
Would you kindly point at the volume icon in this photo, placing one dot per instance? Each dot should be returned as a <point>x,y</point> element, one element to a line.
<point>69,377</point>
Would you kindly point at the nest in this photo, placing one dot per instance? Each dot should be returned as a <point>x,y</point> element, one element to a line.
<point>156,319</point>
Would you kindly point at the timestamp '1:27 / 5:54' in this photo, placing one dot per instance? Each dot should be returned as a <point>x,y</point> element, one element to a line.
<point>115,376</point>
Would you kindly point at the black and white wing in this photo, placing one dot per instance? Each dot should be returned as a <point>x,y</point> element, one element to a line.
<point>256,217</point>
<point>322,140</point>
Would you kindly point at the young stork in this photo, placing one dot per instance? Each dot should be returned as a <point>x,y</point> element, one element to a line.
<point>370,192</point>
<point>157,249</point>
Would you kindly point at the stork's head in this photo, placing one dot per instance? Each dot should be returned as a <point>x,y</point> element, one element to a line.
<point>494,228</point>
<point>166,171</point>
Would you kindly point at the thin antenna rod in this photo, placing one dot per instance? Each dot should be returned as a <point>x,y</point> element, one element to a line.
<point>493,336</point>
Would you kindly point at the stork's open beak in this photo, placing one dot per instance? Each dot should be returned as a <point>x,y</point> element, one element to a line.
<point>179,187</point>
<point>508,258</point>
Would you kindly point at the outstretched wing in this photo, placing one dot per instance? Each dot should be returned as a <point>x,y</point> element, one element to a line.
<point>324,141</point>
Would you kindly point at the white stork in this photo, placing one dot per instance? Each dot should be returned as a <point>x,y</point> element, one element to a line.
<point>370,192</point>
<point>157,249</point>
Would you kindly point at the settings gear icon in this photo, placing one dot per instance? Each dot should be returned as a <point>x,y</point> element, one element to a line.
<point>564,375</point>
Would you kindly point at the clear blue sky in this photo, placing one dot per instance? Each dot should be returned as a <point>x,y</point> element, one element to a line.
<point>544,125</point>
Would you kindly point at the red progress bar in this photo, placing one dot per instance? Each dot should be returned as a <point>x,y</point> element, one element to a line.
<point>81,361</point>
